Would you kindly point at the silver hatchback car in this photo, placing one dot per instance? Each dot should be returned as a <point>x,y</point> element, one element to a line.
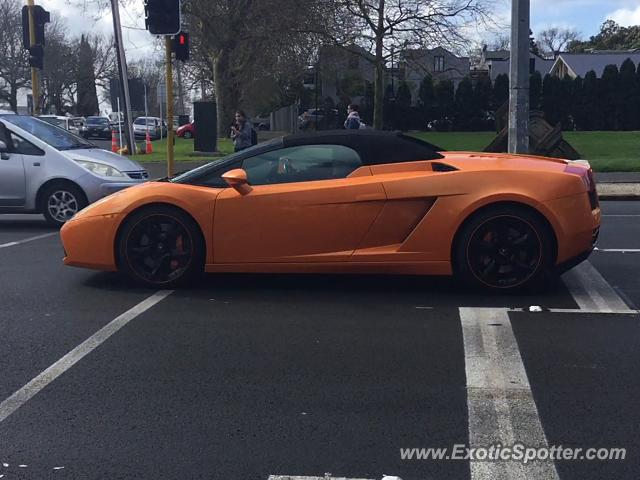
<point>46,169</point>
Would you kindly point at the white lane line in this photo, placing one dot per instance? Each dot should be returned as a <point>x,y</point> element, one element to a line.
<point>22,396</point>
<point>326,477</point>
<point>499,400</point>
<point>27,240</point>
<point>621,216</point>
<point>592,292</point>
<point>618,250</point>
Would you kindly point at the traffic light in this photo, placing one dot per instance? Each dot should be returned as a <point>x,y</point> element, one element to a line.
<point>40,18</point>
<point>181,46</point>
<point>36,56</point>
<point>162,17</point>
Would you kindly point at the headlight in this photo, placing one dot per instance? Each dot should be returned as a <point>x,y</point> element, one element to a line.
<point>101,169</point>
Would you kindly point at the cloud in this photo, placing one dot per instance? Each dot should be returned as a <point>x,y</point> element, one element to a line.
<point>626,16</point>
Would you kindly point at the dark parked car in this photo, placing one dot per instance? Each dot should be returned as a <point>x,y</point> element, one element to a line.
<point>96,127</point>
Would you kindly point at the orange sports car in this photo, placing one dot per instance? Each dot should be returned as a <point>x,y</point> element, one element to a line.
<point>347,202</point>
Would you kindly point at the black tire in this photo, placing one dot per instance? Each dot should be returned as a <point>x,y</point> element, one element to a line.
<point>504,248</point>
<point>60,202</point>
<point>188,135</point>
<point>160,247</point>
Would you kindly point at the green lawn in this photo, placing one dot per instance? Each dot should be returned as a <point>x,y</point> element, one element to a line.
<point>182,150</point>
<point>607,151</point>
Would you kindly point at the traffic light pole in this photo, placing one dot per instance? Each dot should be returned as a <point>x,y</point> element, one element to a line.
<point>124,78</point>
<point>168,42</point>
<point>35,86</point>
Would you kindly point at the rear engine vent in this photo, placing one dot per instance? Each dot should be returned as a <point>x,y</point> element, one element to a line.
<point>442,167</point>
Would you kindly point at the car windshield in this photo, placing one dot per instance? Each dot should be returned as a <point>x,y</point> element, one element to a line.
<point>141,121</point>
<point>56,137</point>
<point>97,121</point>
<point>55,121</point>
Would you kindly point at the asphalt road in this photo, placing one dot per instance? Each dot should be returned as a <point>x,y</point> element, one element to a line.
<point>247,376</point>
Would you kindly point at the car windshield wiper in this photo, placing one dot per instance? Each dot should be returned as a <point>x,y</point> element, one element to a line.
<point>79,146</point>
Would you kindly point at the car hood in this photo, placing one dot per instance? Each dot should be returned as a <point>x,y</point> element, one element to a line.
<point>123,164</point>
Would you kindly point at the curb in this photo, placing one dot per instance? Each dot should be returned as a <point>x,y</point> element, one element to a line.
<point>618,191</point>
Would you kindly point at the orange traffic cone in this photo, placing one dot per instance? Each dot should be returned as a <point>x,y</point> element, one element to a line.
<point>149,147</point>
<point>114,142</point>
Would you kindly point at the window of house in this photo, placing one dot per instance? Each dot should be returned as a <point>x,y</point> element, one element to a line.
<point>438,64</point>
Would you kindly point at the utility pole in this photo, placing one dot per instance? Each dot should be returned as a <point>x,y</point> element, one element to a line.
<point>124,77</point>
<point>168,42</point>
<point>519,78</point>
<point>35,85</point>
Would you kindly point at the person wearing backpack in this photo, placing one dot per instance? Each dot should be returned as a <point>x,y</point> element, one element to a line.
<point>242,132</point>
<point>353,121</point>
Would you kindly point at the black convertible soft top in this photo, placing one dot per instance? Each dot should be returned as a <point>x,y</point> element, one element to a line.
<point>374,146</point>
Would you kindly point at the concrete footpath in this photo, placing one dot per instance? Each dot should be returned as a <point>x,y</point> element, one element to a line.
<point>611,186</point>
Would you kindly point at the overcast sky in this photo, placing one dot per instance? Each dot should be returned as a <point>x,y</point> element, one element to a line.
<point>586,16</point>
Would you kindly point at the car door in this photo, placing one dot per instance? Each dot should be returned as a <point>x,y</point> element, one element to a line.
<point>12,175</point>
<point>307,204</point>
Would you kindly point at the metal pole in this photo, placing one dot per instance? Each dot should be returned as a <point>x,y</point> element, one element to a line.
<point>119,126</point>
<point>124,77</point>
<point>35,85</point>
<point>146,114</point>
<point>519,78</point>
<point>168,47</point>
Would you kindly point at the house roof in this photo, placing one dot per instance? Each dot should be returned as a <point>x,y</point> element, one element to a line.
<point>581,63</point>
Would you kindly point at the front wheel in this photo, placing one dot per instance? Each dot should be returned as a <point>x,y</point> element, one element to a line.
<point>160,247</point>
<point>504,248</point>
<point>61,202</point>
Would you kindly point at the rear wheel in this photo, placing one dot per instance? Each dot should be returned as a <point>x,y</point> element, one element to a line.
<point>160,247</point>
<point>504,248</point>
<point>61,202</point>
<point>188,135</point>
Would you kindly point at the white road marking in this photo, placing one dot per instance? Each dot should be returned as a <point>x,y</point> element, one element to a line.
<point>621,216</point>
<point>499,400</point>
<point>618,250</point>
<point>22,396</point>
<point>326,477</point>
<point>592,292</point>
<point>27,240</point>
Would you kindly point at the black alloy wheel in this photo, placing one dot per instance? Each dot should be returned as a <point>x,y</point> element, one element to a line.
<point>161,247</point>
<point>504,250</point>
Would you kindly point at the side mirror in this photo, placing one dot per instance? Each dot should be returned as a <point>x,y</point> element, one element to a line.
<point>237,179</point>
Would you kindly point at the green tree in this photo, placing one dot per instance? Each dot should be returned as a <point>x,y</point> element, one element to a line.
<point>551,93</point>
<point>611,37</point>
<point>484,104</point>
<point>466,113</point>
<point>628,96</point>
<point>426,98</point>
<point>591,100</point>
<point>445,105</point>
<point>501,90</point>
<point>535,90</point>
<point>87,94</point>
<point>403,108</point>
<point>611,98</point>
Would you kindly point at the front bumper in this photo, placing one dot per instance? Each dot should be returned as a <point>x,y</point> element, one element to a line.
<point>89,242</point>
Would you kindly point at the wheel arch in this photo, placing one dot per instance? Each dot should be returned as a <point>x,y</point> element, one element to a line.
<point>150,206</point>
<point>513,204</point>
<point>56,181</point>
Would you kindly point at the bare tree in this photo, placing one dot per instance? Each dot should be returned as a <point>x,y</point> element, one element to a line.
<point>247,42</point>
<point>385,26</point>
<point>554,40</point>
<point>14,60</point>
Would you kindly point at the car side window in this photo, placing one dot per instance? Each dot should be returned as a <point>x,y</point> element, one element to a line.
<point>23,147</point>
<point>305,163</point>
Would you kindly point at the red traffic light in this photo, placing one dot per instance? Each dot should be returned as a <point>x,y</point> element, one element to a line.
<point>181,46</point>
<point>182,39</point>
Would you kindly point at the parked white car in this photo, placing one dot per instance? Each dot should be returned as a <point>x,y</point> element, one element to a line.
<point>46,169</point>
<point>157,127</point>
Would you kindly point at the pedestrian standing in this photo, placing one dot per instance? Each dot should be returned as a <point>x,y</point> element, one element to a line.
<point>241,132</point>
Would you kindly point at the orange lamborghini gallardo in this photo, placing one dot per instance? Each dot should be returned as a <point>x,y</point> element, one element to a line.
<point>347,202</point>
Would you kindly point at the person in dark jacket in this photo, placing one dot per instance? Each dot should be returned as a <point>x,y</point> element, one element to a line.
<point>241,132</point>
<point>353,119</point>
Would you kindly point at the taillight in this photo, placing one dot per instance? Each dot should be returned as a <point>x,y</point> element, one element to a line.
<point>586,174</point>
